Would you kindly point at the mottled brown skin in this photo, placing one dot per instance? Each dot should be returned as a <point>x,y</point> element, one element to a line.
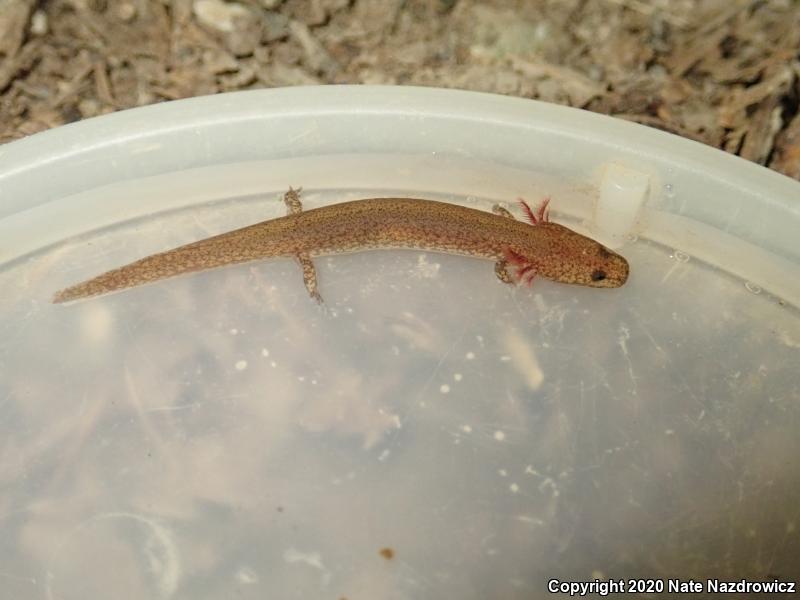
<point>547,249</point>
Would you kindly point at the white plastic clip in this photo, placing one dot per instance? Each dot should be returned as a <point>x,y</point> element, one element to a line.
<point>623,191</point>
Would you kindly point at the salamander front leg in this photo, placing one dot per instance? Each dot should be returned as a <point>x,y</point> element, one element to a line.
<point>499,210</point>
<point>294,206</point>
<point>501,266</point>
<point>501,270</point>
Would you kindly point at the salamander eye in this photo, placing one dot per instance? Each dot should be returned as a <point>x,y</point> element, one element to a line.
<point>598,275</point>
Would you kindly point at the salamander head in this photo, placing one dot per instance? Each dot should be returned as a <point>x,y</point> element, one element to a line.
<point>611,270</point>
<point>566,256</point>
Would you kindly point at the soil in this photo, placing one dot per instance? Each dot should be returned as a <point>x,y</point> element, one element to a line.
<point>723,72</point>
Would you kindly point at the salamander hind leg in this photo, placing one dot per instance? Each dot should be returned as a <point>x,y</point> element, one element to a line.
<point>293,207</point>
<point>292,201</point>
<point>309,276</point>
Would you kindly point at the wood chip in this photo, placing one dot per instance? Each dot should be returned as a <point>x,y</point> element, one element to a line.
<point>14,18</point>
<point>579,88</point>
<point>23,60</point>
<point>102,83</point>
<point>763,124</point>
<point>787,150</point>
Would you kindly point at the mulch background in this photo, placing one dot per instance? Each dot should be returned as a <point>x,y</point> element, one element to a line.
<point>722,72</point>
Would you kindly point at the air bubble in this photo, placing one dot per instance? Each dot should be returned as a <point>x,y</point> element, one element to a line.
<point>752,287</point>
<point>680,256</point>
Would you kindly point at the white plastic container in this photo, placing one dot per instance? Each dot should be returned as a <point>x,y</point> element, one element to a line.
<point>429,433</point>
